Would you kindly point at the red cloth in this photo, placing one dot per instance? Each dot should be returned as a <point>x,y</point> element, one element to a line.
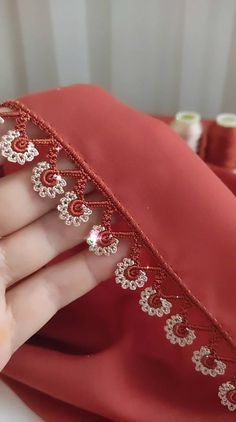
<point>102,358</point>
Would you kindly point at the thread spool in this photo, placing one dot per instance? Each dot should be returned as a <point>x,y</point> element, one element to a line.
<point>220,147</point>
<point>188,125</point>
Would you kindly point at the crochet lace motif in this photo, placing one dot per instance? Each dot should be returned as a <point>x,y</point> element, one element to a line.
<point>162,294</point>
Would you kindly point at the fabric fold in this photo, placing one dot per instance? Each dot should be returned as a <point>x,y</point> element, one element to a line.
<point>184,218</point>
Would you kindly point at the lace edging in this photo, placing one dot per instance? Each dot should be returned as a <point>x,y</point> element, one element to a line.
<point>163,289</point>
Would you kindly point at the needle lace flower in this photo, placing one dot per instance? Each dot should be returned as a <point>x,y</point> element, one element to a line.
<point>206,362</point>
<point>72,210</point>
<point>227,394</point>
<point>16,148</point>
<point>177,331</point>
<point>101,241</point>
<point>46,180</point>
<point>153,304</point>
<point>129,276</point>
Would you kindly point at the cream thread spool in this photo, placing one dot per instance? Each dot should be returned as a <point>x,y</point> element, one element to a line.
<point>3,110</point>
<point>188,125</point>
<point>226,120</point>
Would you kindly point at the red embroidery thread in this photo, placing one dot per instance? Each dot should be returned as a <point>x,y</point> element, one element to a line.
<point>48,180</point>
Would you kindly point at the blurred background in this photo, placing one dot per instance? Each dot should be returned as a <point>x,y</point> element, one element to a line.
<point>157,55</point>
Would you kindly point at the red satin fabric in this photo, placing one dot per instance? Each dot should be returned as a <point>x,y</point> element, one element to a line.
<point>101,355</point>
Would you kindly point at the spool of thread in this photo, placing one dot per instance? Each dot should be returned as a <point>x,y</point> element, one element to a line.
<point>188,125</point>
<point>220,147</point>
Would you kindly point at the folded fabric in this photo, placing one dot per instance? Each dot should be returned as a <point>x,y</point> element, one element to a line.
<point>156,342</point>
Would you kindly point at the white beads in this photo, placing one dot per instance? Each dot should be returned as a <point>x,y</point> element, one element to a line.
<point>46,181</point>
<point>16,148</point>
<point>177,332</point>
<point>227,395</point>
<point>101,241</point>
<point>72,210</point>
<point>129,276</point>
<point>206,363</point>
<point>153,304</point>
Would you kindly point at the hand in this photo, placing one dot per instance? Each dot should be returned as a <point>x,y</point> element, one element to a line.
<point>31,236</point>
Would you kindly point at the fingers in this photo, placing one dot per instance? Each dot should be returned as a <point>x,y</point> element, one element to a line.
<point>5,125</point>
<point>20,205</point>
<point>32,247</point>
<point>33,302</point>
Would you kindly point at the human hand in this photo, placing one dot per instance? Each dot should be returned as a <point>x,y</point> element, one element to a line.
<point>31,236</point>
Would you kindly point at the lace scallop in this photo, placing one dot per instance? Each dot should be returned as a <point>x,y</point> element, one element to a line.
<point>162,293</point>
